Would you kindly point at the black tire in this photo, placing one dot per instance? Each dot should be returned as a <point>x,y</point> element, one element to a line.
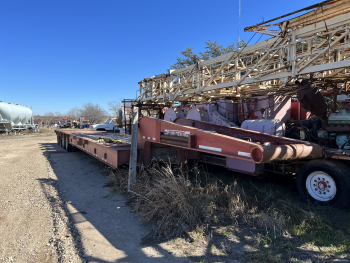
<point>315,174</point>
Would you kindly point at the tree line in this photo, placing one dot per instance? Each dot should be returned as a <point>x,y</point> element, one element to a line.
<point>89,111</point>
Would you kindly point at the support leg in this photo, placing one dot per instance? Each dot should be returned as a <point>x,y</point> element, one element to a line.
<point>133,151</point>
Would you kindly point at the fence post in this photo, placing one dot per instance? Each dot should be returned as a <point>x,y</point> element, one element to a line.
<point>133,150</point>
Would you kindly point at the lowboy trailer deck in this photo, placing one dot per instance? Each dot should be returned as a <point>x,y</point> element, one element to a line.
<point>112,154</point>
<point>226,146</point>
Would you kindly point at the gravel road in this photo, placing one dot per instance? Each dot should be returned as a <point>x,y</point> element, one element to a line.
<point>33,224</point>
<point>54,207</point>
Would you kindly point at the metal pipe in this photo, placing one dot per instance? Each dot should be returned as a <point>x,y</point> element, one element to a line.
<point>285,152</point>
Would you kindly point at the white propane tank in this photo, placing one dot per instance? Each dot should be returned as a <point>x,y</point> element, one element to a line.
<point>171,114</point>
<point>17,114</point>
<point>272,126</point>
<point>199,114</point>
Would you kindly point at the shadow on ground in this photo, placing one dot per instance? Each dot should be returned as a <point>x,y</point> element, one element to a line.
<point>110,232</point>
<point>106,227</point>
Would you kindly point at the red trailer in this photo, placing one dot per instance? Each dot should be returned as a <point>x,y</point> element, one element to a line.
<point>230,147</point>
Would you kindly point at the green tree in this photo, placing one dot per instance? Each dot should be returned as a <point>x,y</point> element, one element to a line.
<point>212,50</point>
<point>189,59</point>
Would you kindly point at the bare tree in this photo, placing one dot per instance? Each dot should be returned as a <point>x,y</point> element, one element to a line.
<point>49,116</point>
<point>114,106</point>
<point>74,113</point>
<point>93,112</point>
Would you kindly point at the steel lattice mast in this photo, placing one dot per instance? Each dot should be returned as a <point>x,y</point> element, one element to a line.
<point>314,45</point>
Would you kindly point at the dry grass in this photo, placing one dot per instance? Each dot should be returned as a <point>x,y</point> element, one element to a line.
<point>168,199</point>
<point>182,203</point>
<point>45,130</point>
<point>273,221</point>
<point>118,179</point>
<point>42,131</point>
<point>166,196</point>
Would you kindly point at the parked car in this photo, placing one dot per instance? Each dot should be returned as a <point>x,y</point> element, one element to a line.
<point>109,125</point>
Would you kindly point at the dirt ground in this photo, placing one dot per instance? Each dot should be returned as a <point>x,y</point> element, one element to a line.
<point>58,207</point>
<point>33,223</point>
<point>54,207</point>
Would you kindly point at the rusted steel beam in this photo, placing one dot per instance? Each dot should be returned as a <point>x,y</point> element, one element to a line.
<point>236,132</point>
<point>225,141</point>
<point>248,28</point>
<point>285,152</point>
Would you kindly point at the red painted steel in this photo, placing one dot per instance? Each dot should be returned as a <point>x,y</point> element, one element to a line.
<point>225,141</point>
<point>299,113</point>
<point>110,155</point>
<point>186,139</point>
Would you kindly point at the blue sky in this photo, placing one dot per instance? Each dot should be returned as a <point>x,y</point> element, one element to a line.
<point>56,55</point>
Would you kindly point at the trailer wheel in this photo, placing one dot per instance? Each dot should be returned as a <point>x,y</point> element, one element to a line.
<point>68,146</point>
<point>325,183</point>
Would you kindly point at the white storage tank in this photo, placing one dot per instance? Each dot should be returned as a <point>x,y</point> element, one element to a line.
<point>16,114</point>
<point>271,126</point>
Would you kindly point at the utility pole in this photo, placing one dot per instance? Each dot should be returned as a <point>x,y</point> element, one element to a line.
<point>239,21</point>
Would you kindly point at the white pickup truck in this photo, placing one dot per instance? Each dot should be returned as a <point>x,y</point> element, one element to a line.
<point>109,125</point>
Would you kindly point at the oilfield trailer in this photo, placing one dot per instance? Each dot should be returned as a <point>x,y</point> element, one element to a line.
<point>280,106</point>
